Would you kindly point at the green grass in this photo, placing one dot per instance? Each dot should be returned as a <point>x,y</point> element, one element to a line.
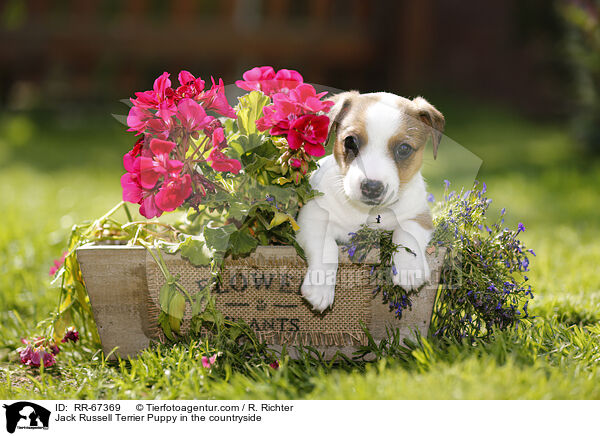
<point>57,173</point>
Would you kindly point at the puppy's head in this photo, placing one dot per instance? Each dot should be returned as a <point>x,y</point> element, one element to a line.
<point>379,142</point>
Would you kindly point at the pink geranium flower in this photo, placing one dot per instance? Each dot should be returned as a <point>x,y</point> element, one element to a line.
<point>144,172</point>
<point>132,187</point>
<point>256,79</point>
<point>214,99</point>
<point>159,128</point>
<point>278,116</point>
<point>148,207</point>
<point>265,79</point>
<point>218,161</point>
<point>173,192</point>
<point>287,80</point>
<point>309,132</point>
<point>161,97</point>
<point>134,192</point>
<point>192,116</point>
<point>306,98</point>
<point>152,168</point>
<point>137,119</point>
<point>190,85</point>
<point>218,138</point>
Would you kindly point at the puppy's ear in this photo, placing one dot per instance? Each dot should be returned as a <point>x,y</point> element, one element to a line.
<point>338,111</point>
<point>429,115</point>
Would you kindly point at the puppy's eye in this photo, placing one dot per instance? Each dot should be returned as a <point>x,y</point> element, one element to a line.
<point>351,145</point>
<point>402,151</point>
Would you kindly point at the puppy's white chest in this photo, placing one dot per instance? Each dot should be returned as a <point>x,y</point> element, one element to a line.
<point>345,216</point>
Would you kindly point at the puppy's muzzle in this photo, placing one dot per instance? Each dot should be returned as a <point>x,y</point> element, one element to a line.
<point>372,191</point>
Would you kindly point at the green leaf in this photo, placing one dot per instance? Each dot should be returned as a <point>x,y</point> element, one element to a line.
<point>217,235</point>
<point>165,296</point>
<point>234,332</point>
<point>242,242</point>
<point>199,303</point>
<point>258,164</point>
<point>282,180</point>
<point>176,310</point>
<point>163,321</point>
<point>239,210</point>
<point>242,144</point>
<point>280,217</point>
<point>169,247</point>
<point>195,250</point>
<point>237,145</point>
<point>251,109</point>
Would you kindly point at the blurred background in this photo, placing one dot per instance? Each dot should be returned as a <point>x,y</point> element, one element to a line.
<point>536,56</point>
<point>518,82</point>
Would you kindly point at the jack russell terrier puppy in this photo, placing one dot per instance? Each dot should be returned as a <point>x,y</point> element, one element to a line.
<point>372,176</point>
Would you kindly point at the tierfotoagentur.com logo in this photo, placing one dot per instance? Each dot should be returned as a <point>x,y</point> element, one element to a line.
<point>26,415</point>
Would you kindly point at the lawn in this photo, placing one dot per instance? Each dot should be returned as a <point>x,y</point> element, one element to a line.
<point>61,170</point>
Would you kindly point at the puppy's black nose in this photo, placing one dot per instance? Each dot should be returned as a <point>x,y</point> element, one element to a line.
<point>371,188</point>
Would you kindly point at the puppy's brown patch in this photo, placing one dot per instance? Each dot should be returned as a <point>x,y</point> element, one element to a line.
<point>350,121</point>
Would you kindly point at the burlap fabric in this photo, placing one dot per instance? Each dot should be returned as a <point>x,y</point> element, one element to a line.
<point>264,291</point>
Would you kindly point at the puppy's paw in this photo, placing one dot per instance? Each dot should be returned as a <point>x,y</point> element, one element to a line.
<point>410,271</point>
<point>318,293</point>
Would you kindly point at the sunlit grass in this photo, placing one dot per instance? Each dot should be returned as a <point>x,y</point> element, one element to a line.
<point>56,174</point>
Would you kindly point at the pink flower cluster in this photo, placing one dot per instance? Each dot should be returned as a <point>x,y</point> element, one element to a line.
<point>41,351</point>
<point>208,362</point>
<point>268,81</point>
<point>295,109</point>
<point>58,264</point>
<point>169,119</point>
<point>145,167</point>
<point>153,110</point>
<point>162,167</point>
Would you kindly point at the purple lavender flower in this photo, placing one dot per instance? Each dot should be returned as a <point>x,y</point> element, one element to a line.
<point>430,198</point>
<point>447,183</point>
<point>351,251</point>
<point>394,270</point>
<point>521,228</point>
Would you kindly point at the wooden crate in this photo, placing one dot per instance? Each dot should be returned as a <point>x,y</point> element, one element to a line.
<point>263,289</point>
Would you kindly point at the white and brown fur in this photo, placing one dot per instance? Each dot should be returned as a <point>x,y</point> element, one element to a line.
<point>378,122</point>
